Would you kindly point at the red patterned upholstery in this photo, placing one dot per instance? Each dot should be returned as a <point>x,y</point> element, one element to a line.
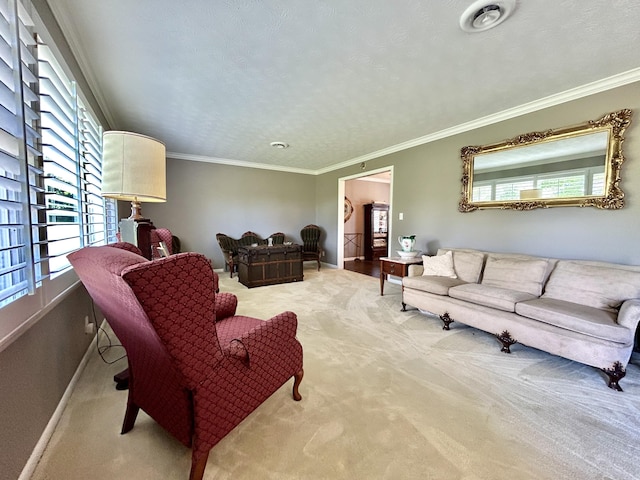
<point>195,367</point>
<point>161,235</point>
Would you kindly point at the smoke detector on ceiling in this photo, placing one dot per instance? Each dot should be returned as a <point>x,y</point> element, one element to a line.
<point>485,14</point>
<point>279,144</point>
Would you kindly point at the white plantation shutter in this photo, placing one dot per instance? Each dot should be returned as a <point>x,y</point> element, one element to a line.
<point>50,164</point>
<point>61,161</point>
<point>21,197</point>
<point>94,211</point>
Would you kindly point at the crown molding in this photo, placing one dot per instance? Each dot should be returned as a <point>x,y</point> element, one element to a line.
<point>592,88</point>
<point>238,163</point>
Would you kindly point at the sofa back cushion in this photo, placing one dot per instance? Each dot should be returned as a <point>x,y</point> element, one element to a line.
<point>515,272</point>
<point>595,284</point>
<point>467,263</point>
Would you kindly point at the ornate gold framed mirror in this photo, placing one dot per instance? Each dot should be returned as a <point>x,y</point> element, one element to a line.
<point>570,166</point>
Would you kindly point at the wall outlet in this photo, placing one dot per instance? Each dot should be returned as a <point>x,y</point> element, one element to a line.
<point>89,327</point>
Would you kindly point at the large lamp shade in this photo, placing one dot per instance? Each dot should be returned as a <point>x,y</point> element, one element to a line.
<point>133,168</point>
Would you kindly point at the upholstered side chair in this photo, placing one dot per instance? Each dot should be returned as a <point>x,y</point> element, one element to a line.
<point>229,247</point>
<point>278,238</point>
<point>249,238</point>
<point>161,235</point>
<point>196,367</point>
<point>311,249</point>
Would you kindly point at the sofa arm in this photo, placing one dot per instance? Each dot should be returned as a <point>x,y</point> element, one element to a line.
<point>629,314</point>
<point>276,335</point>
<point>415,270</point>
<point>225,305</point>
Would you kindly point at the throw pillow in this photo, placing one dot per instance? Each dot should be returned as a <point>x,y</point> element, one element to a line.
<point>439,266</point>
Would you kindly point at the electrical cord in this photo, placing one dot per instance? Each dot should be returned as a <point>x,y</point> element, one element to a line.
<point>104,348</point>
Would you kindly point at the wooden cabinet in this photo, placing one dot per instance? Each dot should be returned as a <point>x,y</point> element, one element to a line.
<point>376,230</point>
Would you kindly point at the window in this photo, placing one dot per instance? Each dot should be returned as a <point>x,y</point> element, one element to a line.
<point>50,162</point>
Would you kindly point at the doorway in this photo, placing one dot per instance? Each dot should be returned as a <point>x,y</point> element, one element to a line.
<point>375,186</point>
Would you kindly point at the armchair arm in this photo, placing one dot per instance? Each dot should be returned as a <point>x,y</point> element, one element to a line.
<point>225,305</point>
<point>273,335</point>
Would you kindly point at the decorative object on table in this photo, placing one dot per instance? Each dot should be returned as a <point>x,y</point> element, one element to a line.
<point>348,209</point>
<point>412,254</point>
<point>407,242</point>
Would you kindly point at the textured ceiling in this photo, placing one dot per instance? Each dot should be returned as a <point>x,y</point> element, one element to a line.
<point>338,80</point>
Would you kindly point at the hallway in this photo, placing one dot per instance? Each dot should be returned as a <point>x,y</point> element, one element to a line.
<point>366,267</point>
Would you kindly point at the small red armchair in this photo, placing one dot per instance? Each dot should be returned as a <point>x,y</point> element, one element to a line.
<point>195,367</point>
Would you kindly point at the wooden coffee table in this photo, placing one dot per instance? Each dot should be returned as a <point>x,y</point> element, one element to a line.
<point>396,266</point>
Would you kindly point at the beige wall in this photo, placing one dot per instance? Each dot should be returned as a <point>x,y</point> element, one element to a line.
<point>34,373</point>
<point>427,190</point>
<point>205,198</point>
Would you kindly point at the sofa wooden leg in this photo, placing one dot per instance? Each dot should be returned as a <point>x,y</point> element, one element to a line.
<point>447,320</point>
<point>296,384</point>
<point>615,374</point>
<point>507,340</point>
<point>198,466</point>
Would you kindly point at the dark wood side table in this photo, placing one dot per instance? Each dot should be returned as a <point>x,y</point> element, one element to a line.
<point>396,266</point>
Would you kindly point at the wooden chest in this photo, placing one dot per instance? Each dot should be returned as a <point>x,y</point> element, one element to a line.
<point>264,265</point>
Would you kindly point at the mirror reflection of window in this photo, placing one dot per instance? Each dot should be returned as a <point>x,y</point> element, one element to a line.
<point>563,184</point>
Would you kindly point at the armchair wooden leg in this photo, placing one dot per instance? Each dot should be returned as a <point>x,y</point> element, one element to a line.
<point>296,384</point>
<point>198,466</point>
<point>130,415</point>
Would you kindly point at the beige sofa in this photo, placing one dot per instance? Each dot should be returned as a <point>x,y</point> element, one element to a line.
<point>585,311</point>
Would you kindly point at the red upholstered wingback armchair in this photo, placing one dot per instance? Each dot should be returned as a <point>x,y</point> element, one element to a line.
<point>195,367</point>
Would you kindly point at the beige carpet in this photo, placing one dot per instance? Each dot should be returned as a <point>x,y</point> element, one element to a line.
<point>386,395</point>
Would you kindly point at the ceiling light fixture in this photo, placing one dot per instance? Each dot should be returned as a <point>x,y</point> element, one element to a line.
<point>485,14</point>
<point>279,144</point>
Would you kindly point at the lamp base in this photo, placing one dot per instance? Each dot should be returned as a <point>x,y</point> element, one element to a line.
<point>136,211</point>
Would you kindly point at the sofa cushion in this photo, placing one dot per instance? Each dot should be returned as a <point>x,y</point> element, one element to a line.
<point>515,273</point>
<point>431,284</point>
<point>439,265</point>
<point>595,284</point>
<point>575,317</point>
<point>489,296</point>
<point>467,263</point>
